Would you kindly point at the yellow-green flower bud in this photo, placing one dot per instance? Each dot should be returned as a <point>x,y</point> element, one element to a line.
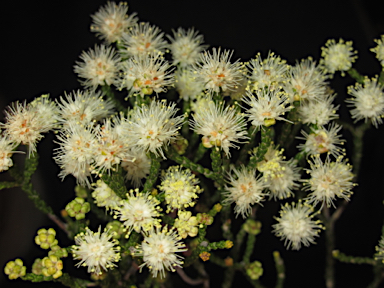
<point>46,238</point>
<point>254,270</point>
<point>252,226</point>
<point>78,208</point>
<point>52,266</point>
<point>180,145</point>
<point>58,251</point>
<point>204,218</point>
<point>116,228</point>
<point>81,191</point>
<point>37,267</point>
<point>15,269</point>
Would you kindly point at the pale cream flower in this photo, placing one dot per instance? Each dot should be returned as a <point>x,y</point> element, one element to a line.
<point>337,56</point>
<point>318,112</point>
<point>99,67</point>
<point>185,46</point>
<point>159,249</point>
<point>141,40</point>
<point>96,250</point>
<point>245,190</point>
<point>104,196</point>
<point>111,21</point>
<point>296,225</point>
<point>6,151</point>
<point>379,50</point>
<point>220,126</point>
<point>367,101</point>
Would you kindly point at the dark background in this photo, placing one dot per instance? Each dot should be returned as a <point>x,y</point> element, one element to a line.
<point>41,40</point>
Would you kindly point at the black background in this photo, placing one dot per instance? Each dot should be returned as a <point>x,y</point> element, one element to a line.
<point>41,40</point>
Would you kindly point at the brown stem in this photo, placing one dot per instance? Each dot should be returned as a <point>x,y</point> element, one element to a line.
<point>189,280</point>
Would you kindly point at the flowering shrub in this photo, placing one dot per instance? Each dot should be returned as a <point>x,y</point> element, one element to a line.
<point>198,140</point>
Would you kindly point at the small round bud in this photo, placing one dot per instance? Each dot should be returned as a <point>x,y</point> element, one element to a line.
<point>15,269</point>
<point>46,238</point>
<point>52,266</point>
<point>78,208</point>
<point>254,270</point>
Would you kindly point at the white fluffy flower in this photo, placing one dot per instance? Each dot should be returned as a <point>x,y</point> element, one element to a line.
<point>337,56</point>
<point>328,181</point>
<point>217,72</point>
<point>151,128</point>
<point>220,126</point>
<point>104,196</point>
<point>186,84</point>
<point>111,21</point>
<point>84,107</point>
<point>138,211</point>
<point>269,73</point>
<point>318,112</point>
<point>141,40</point>
<point>47,111</point>
<point>111,148</point>
<point>99,67</point>
<point>379,50</point>
<point>245,190</point>
<point>159,250</point>
<point>137,168</point>
<point>322,140</point>
<point>25,125</point>
<point>96,250</point>
<point>306,81</point>
<point>267,107</point>
<point>143,75</point>
<point>186,46</point>
<point>296,226</point>
<point>367,101</point>
<point>75,154</point>
<point>282,183</point>
<point>180,188</point>
<point>6,151</point>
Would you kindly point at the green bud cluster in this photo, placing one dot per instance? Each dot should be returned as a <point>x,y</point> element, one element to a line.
<point>78,208</point>
<point>58,251</point>
<point>81,191</point>
<point>37,267</point>
<point>46,238</point>
<point>252,227</point>
<point>254,270</point>
<point>52,266</point>
<point>180,145</point>
<point>15,269</point>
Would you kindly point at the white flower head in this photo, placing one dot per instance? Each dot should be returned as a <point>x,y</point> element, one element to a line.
<point>220,126</point>
<point>269,73</point>
<point>104,196</point>
<point>322,140</point>
<point>152,128</point>
<point>75,154</point>
<point>282,183</point>
<point>96,250</point>
<point>137,168</point>
<point>267,107</point>
<point>245,190</point>
<point>306,81</point>
<point>296,225</point>
<point>111,21</point>
<point>24,125</point>
<point>6,151</point>
<point>111,148</point>
<point>318,112</point>
<point>143,75</point>
<point>84,107</point>
<point>138,212</point>
<point>141,40</point>
<point>186,46</point>
<point>180,187</point>
<point>159,249</point>
<point>99,67</point>
<point>216,71</point>
<point>367,101</point>
<point>186,84</point>
<point>337,56</point>
<point>379,50</point>
<point>47,110</point>
<point>328,181</point>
